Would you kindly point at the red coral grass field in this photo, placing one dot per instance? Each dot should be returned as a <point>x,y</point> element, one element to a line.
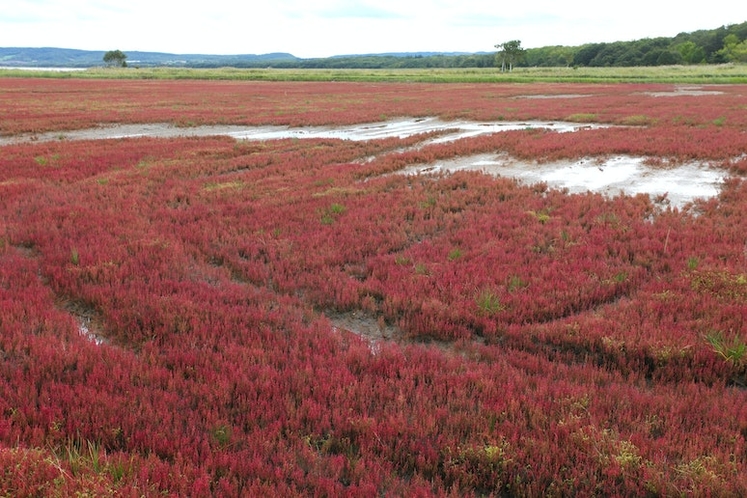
<point>204,316</point>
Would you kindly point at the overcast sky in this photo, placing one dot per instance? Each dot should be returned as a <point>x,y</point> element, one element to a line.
<point>322,28</point>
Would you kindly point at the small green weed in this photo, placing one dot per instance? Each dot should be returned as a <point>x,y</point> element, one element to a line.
<point>455,253</point>
<point>221,435</point>
<point>430,202</point>
<point>541,216</point>
<point>515,283</point>
<point>332,212</point>
<point>421,269</point>
<point>337,209</point>
<point>400,260</point>
<point>628,456</point>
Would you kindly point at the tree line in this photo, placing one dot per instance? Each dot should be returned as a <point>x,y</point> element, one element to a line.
<point>715,46</point>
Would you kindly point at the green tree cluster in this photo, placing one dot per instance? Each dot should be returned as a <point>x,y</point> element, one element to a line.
<point>735,50</point>
<point>509,53</point>
<point>115,58</point>
<point>724,44</point>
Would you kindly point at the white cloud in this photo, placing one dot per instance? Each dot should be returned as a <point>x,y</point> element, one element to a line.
<point>330,27</point>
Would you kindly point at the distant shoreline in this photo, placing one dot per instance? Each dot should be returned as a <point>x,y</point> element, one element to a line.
<point>59,69</point>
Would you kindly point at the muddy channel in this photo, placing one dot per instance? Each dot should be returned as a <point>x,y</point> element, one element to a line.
<point>678,184</point>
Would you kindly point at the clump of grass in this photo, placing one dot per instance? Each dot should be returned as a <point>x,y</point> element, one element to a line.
<point>211,186</point>
<point>582,118</point>
<point>732,350</point>
<point>637,120</point>
<point>80,455</point>
<point>489,303</point>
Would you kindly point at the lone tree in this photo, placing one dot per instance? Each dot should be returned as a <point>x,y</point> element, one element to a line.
<point>115,58</point>
<point>509,53</point>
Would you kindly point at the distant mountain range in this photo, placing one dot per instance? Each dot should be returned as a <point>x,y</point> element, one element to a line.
<point>65,57</point>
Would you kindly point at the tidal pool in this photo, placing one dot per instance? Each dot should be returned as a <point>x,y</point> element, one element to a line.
<point>611,176</point>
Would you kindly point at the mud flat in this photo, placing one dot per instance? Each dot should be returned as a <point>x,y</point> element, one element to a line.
<point>404,127</point>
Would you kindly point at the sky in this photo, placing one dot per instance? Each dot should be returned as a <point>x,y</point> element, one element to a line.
<point>323,28</point>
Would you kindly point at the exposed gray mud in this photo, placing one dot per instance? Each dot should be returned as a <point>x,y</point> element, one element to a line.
<point>402,128</point>
<point>685,90</point>
<point>365,326</point>
<point>554,96</point>
<point>84,329</point>
<point>376,332</point>
<point>88,321</point>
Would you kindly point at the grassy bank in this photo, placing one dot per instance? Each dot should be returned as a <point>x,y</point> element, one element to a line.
<point>711,74</point>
